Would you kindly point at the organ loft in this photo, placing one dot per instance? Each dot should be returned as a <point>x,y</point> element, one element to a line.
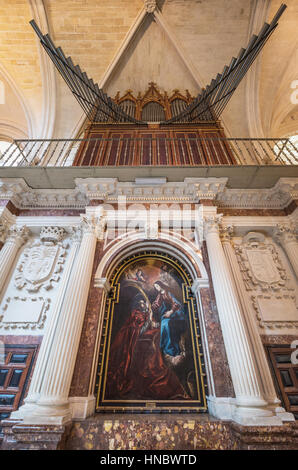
<point>148,225</point>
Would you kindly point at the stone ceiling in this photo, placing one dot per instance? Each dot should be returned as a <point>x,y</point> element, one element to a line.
<point>183,45</point>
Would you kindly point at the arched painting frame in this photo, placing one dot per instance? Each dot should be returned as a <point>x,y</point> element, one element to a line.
<point>150,354</point>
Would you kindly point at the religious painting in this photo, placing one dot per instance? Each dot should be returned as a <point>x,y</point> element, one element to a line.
<point>150,354</point>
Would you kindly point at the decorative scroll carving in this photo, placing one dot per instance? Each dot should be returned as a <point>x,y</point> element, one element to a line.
<point>24,313</point>
<point>42,262</point>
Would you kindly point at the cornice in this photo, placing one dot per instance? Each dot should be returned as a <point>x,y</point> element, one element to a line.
<point>154,190</point>
<point>149,190</point>
<point>277,197</point>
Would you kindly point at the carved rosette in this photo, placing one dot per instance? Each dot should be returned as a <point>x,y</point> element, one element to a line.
<point>284,234</point>
<point>150,6</point>
<point>41,263</point>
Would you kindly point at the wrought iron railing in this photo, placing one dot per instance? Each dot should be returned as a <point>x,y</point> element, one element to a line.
<point>156,150</point>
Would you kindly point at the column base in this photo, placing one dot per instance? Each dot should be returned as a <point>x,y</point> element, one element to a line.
<point>284,415</point>
<point>221,407</point>
<point>82,407</point>
<point>247,416</point>
<point>45,415</point>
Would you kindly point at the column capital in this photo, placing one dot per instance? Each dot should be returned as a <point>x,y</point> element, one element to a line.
<point>18,234</point>
<point>285,233</point>
<point>212,224</point>
<point>95,225</point>
<point>226,233</point>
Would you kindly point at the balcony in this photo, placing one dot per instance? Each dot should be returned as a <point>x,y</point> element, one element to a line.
<point>246,162</point>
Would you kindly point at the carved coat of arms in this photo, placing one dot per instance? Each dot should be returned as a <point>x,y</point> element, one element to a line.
<point>262,266</point>
<point>40,266</point>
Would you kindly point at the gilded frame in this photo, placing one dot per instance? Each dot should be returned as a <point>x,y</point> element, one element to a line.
<point>197,404</point>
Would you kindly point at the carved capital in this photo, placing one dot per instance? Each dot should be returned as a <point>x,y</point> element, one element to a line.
<point>94,225</point>
<point>226,233</point>
<point>212,224</point>
<point>150,5</point>
<point>284,234</point>
<point>18,234</point>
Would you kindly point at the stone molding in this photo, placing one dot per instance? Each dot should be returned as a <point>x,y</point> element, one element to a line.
<point>107,190</point>
<point>277,197</point>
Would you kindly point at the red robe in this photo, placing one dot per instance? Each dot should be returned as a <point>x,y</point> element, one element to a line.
<point>142,377</point>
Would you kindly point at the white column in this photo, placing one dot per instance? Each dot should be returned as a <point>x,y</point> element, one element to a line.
<point>15,239</point>
<point>48,339</point>
<point>251,407</point>
<point>286,236</point>
<point>264,375</point>
<point>53,403</point>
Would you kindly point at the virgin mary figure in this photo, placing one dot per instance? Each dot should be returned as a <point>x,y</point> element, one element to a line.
<point>172,322</point>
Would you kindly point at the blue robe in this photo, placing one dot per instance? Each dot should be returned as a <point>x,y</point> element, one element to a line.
<point>170,328</point>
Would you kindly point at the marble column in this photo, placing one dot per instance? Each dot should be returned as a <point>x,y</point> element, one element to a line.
<point>261,364</point>
<point>48,339</point>
<point>16,237</point>
<point>286,236</point>
<point>53,403</point>
<point>251,407</point>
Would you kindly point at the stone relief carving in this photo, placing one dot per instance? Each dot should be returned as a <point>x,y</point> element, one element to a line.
<point>42,261</point>
<point>24,313</point>
<point>260,265</point>
<point>150,5</point>
<point>268,310</point>
<point>266,279</point>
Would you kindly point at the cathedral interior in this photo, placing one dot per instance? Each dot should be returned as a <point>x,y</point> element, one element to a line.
<point>148,225</point>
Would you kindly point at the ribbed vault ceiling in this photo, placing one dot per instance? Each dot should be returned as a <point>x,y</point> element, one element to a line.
<point>121,48</point>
